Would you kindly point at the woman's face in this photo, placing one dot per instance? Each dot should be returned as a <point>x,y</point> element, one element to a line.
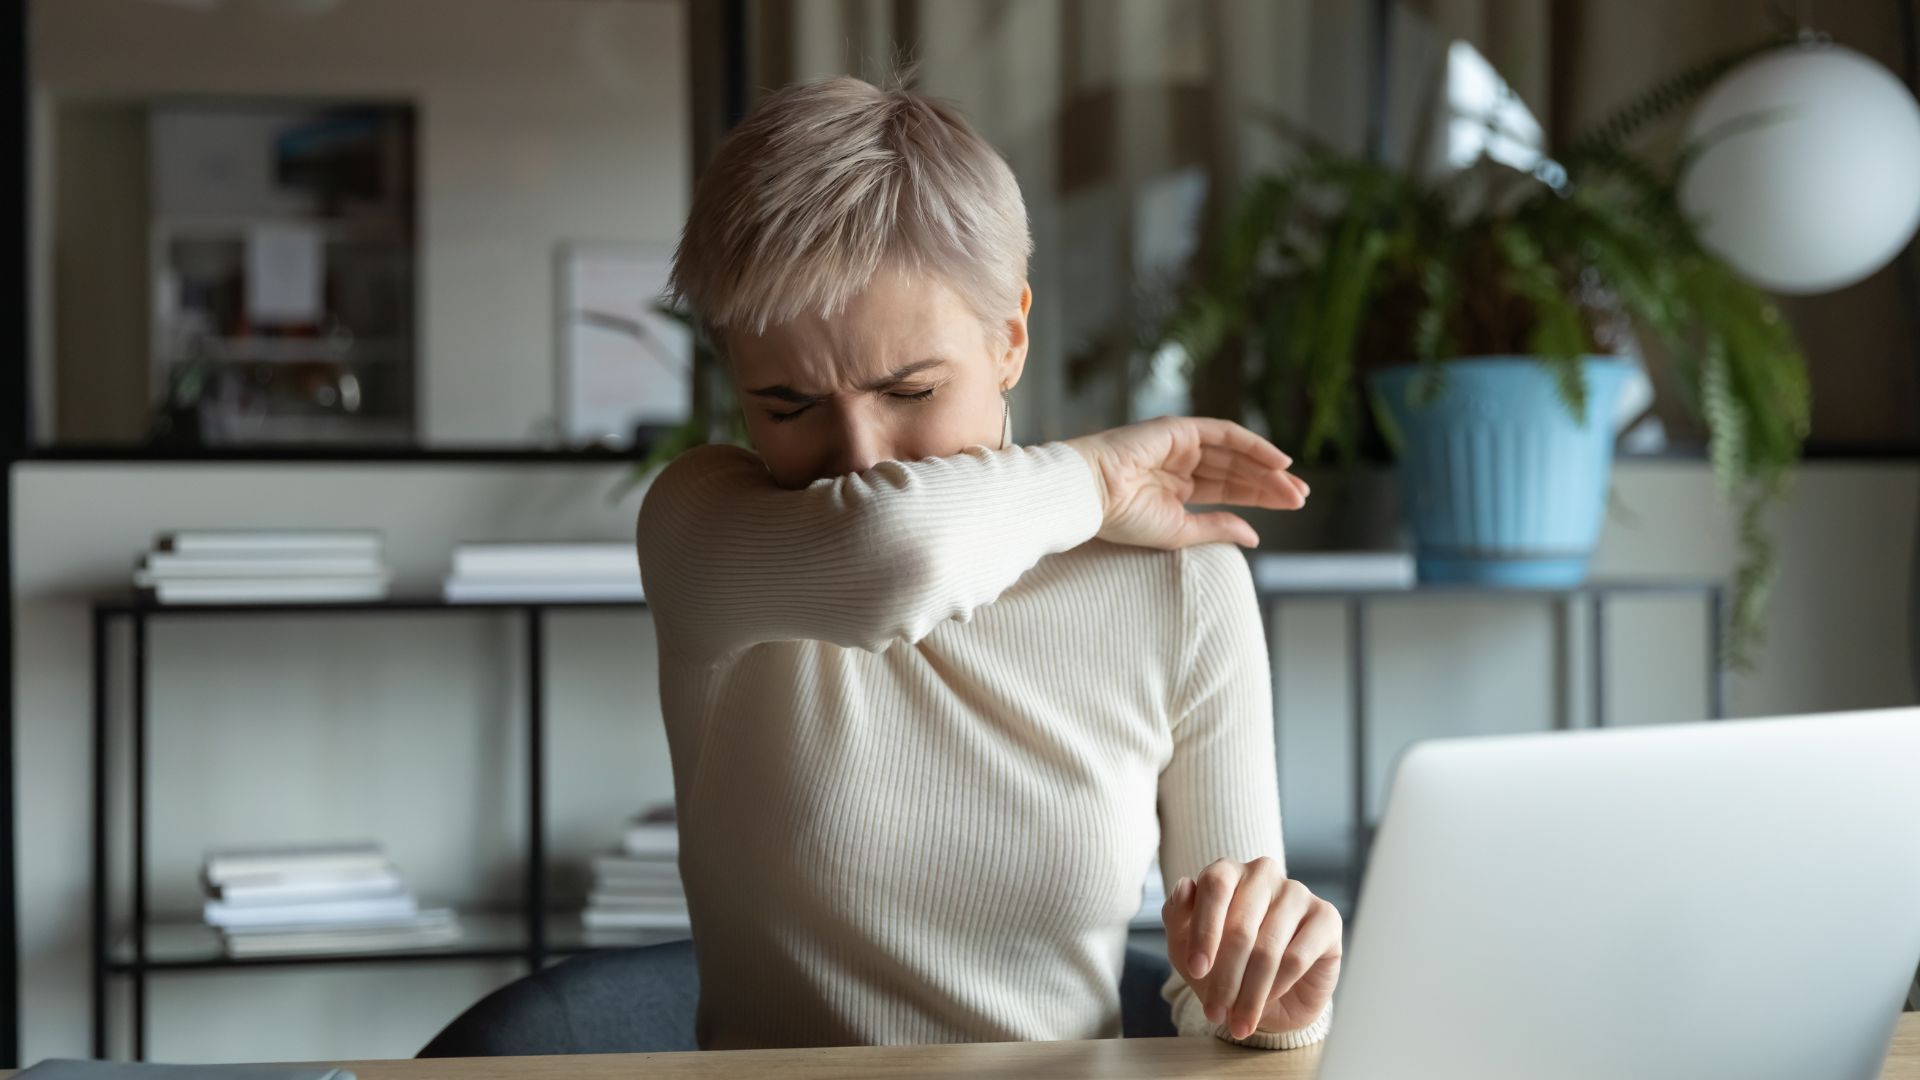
<point>906,370</point>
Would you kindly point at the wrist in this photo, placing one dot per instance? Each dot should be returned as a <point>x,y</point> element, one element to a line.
<point>1084,447</point>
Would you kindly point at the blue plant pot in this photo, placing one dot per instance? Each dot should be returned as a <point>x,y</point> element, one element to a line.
<point>1500,484</point>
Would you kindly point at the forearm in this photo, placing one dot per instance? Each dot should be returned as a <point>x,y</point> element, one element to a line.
<point>730,559</point>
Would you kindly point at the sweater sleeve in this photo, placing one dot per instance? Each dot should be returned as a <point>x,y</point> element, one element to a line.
<point>1219,795</point>
<point>729,559</point>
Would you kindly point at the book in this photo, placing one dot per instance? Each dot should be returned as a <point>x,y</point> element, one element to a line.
<point>1274,570</point>
<point>304,542</point>
<point>605,900</point>
<point>275,889</point>
<point>269,590</point>
<point>461,591</point>
<point>164,566</point>
<point>230,864</point>
<point>652,838</point>
<point>621,864</point>
<point>376,909</point>
<point>430,927</point>
<point>596,919</point>
<point>616,559</point>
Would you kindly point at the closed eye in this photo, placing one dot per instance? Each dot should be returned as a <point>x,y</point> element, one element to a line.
<point>922,395</point>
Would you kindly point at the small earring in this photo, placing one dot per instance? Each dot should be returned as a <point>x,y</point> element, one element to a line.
<point>1006,421</point>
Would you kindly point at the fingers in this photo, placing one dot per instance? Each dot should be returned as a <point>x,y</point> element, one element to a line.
<point>1232,476</point>
<point>1274,946</point>
<point>1216,886</point>
<point>1176,915</point>
<point>1241,928</point>
<point>1217,525</point>
<point>1317,935</point>
<point>1217,432</point>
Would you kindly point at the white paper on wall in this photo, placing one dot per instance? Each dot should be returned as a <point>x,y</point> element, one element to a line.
<point>286,264</point>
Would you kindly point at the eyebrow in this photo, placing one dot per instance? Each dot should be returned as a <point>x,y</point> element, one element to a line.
<point>892,379</point>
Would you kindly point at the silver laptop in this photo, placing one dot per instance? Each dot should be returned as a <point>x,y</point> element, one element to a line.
<point>1733,899</point>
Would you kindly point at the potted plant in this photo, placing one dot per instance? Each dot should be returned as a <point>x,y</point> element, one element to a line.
<point>1475,324</point>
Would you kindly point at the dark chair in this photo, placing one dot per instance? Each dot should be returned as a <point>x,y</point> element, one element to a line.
<point>625,1001</point>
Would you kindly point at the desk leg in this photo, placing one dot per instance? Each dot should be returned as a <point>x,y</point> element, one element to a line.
<point>1716,648</point>
<point>100,886</point>
<point>536,883</point>
<point>139,836</point>
<point>1562,663</point>
<point>1597,654</point>
<point>1357,698</point>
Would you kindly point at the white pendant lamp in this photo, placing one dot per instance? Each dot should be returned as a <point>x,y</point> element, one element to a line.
<point>1808,176</point>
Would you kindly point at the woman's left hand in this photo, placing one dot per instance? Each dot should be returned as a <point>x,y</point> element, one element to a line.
<point>1259,950</point>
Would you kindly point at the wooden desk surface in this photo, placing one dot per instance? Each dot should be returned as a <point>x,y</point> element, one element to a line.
<point>1116,1058</point>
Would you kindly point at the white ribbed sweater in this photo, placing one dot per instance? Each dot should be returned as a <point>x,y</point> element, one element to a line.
<point>927,734</point>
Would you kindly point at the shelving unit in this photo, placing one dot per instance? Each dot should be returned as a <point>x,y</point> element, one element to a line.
<point>532,935</point>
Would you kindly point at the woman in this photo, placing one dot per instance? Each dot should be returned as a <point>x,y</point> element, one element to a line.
<point>935,700</point>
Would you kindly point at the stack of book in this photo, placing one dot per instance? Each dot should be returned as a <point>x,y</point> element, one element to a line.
<point>638,888</point>
<point>316,900</point>
<point>264,566</point>
<point>495,573</point>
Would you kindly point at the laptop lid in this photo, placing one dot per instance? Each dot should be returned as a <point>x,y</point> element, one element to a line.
<point>1739,898</point>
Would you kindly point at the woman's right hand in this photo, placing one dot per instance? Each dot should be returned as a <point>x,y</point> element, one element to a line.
<point>1148,472</point>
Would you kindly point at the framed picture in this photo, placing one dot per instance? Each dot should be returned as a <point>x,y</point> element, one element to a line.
<point>625,366</point>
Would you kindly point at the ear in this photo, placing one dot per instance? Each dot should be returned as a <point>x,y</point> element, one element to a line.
<point>1013,360</point>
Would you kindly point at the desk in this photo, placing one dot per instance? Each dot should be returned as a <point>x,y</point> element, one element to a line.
<point>1108,1058</point>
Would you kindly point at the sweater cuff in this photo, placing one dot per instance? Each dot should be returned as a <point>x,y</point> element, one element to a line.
<point>1190,1018</point>
<point>1284,1040</point>
<point>1083,505</point>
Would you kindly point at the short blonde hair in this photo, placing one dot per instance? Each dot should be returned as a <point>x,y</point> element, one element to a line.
<point>823,184</point>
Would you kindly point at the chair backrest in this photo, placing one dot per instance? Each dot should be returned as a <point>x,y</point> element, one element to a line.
<point>629,1001</point>
<point>614,1001</point>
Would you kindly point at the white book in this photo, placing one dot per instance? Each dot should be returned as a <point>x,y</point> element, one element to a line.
<point>271,590</point>
<point>657,839</point>
<point>421,917</point>
<point>663,861</point>
<point>162,566</point>
<point>468,591</point>
<point>594,919</point>
<point>612,900</point>
<point>665,877</point>
<point>295,860</point>
<point>616,558</point>
<point>433,927</point>
<point>245,893</point>
<point>303,542</point>
<point>1333,570</point>
<point>379,909</point>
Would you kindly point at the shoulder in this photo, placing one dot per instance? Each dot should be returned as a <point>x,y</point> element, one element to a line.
<point>1184,576</point>
<point>699,462</point>
<point>1211,574</point>
<point>695,471</point>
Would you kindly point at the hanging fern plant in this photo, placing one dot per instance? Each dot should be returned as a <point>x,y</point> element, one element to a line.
<point>1343,264</point>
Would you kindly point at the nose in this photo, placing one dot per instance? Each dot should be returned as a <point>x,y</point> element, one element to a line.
<point>861,446</point>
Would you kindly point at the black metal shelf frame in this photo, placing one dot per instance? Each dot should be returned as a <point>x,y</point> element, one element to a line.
<point>139,613</point>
